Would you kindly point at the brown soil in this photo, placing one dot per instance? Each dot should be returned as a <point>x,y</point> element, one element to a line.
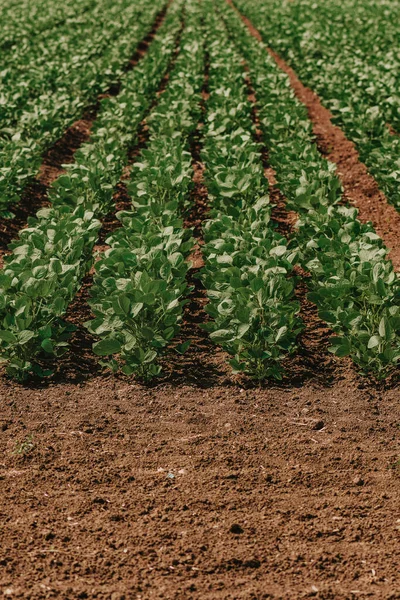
<point>360,188</point>
<point>186,492</point>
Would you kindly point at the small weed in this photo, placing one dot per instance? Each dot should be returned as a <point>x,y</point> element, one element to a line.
<point>23,448</point>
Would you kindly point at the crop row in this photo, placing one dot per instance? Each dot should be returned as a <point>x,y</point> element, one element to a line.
<point>39,71</point>
<point>363,97</point>
<point>247,263</point>
<point>16,61</point>
<point>352,283</point>
<point>23,20</point>
<point>78,79</point>
<point>349,41</point>
<point>140,283</point>
<point>48,261</point>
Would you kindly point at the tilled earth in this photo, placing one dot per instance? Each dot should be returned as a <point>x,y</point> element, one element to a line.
<point>114,490</point>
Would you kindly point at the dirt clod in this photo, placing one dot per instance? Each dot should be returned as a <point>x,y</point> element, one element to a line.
<point>235,528</point>
<point>358,481</point>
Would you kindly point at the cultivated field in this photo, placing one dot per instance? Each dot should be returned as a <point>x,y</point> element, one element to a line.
<point>199,299</point>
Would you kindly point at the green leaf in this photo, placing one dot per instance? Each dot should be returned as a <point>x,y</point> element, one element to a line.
<point>7,336</point>
<point>281,332</point>
<point>340,347</point>
<point>24,336</point>
<point>243,329</point>
<point>181,348</point>
<point>384,329</point>
<point>124,304</point>
<point>106,347</point>
<point>59,306</point>
<point>221,334</point>
<point>147,333</point>
<point>47,346</point>
<point>374,341</point>
<point>136,308</point>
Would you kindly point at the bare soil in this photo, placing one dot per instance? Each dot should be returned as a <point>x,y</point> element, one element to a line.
<point>190,491</point>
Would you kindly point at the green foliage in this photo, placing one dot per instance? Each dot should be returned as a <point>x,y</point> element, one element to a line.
<point>25,447</point>
<point>140,284</point>
<point>251,297</point>
<point>352,282</point>
<point>247,263</point>
<point>46,86</point>
<point>45,269</point>
<point>138,293</point>
<point>355,288</point>
<point>37,283</point>
<point>347,53</point>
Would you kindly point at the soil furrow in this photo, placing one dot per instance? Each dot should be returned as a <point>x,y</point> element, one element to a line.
<point>203,364</point>
<point>360,188</point>
<point>63,151</point>
<point>121,198</point>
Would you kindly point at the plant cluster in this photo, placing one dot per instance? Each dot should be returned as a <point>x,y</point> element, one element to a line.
<point>41,98</point>
<point>140,283</point>
<point>23,22</point>
<point>44,271</point>
<point>247,263</point>
<point>352,282</point>
<point>349,55</point>
<point>35,67</point>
